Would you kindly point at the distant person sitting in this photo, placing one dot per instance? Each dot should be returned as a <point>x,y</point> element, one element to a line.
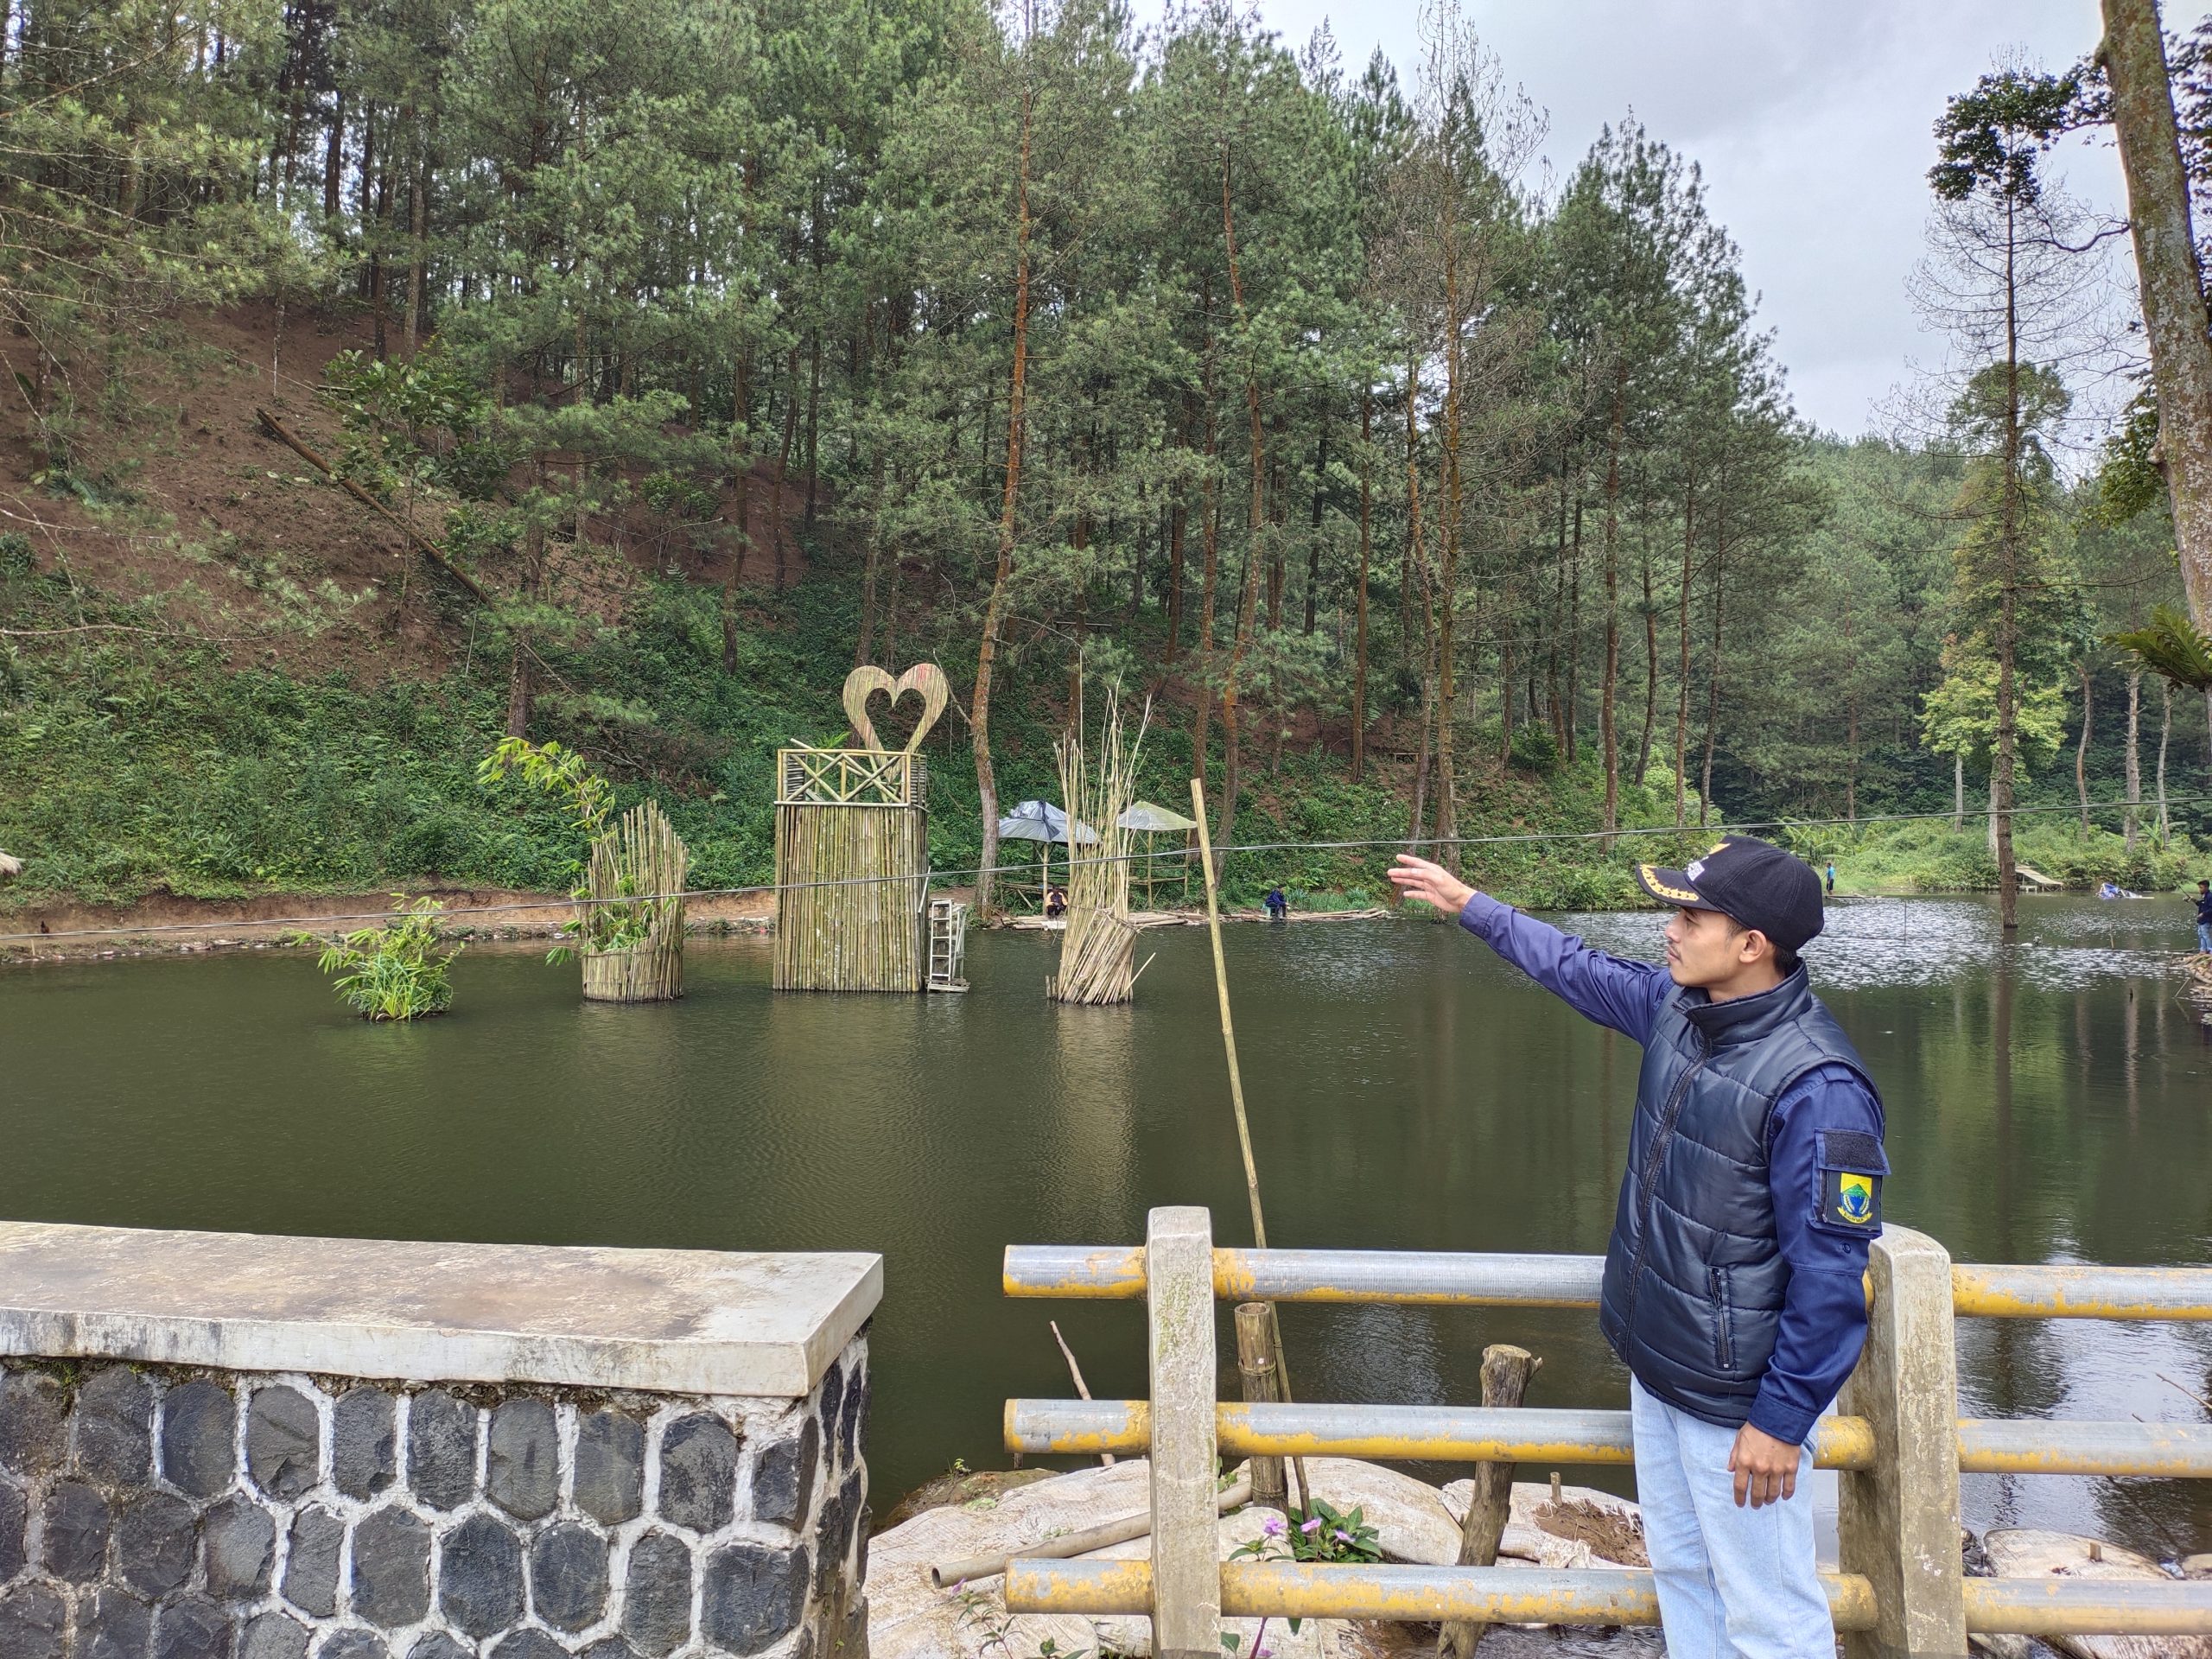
<point>2204,917</point>
<point>1056,900</point>
<point>2109,890</point>
<point>1277,907</point>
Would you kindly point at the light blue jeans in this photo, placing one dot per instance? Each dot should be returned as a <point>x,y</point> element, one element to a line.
<point>2204,938</point>
<point>1733,1584</point>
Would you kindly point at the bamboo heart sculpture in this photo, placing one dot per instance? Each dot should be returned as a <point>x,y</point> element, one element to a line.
<point>927,680</point>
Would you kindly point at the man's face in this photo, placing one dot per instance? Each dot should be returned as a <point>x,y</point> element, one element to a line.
<point>1705,948</point>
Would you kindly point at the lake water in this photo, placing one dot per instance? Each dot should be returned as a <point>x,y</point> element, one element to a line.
<point>2049,1100</point>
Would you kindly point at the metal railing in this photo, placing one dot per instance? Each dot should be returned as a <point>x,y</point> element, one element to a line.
<point>1897,1440</point>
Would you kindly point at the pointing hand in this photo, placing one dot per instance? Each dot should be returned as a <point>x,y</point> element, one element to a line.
<point>1416,878</point>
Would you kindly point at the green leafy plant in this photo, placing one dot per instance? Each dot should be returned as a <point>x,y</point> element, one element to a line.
<point>2171,646</point>
<point>624,909</point>
<point>397,971</point>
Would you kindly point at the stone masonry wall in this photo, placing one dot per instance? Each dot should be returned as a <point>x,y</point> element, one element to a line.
<point>149,1513</point>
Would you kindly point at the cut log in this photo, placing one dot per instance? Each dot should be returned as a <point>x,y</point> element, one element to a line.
<point>2031,1553</point>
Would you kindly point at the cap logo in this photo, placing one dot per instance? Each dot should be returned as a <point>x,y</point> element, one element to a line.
<point>1695,870</point>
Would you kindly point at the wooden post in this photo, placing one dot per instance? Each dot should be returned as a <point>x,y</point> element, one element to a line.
<point>1185,1560</point>
<point>1255,1363</point>
<point>1506,1372</point>
<point>1898,1522</point>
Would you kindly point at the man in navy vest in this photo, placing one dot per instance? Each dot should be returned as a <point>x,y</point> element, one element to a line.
<point>1754,1186</point>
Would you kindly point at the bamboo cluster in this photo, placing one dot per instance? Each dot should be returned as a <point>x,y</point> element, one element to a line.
<point>1098,949</point>
<point>633,929</point>
<point>852,885</point>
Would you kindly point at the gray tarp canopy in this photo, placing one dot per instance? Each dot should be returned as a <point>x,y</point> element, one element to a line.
<point>1154,820</point>
<point>1041,821</point>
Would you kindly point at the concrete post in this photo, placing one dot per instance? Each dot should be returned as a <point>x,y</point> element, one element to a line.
<point>1898,1522</point>
<point>1185,1560</point>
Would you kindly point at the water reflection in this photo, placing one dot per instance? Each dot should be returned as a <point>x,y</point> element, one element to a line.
<point>2047,1101</point>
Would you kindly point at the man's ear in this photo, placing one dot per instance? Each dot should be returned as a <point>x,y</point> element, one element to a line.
<point>1755,945</point>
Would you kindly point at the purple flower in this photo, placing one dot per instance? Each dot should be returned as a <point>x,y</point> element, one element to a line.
<point>1311,1526</point>
<point>1343,1536</point>
<point>1272,1527</point>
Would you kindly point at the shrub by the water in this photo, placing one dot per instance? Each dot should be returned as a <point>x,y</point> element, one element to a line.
<point>399,971</point>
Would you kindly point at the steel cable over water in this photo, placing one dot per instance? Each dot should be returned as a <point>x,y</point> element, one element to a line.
<point>1370,843</point>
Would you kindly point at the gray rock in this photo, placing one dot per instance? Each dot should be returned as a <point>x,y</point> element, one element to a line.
<point>833,1397</point>
<point>273,1636</point>
<point>441,1449</point>
<point>833,1534</point>
<point>364,1450</point>
<point>392,1569</point>
<point>192,1628</point>
<point>698,1473</point>
<point>437,1644</point>
<point>311,1561</point>
<point>657,1595</point>
<point>852,1420</point>
<point>13,1511</point>
<point>283,1441</point>
<point>240,1540</point>
<point>199,1420</point>
<point>609,1647</point>
<point>783,1477</point>
<point>755,1595</point>
<point>568,1576</point>
<point>154,1543</point>
<point>113,1625</point>
<point>115,1427</point>
<point>610,1466</point>
<point>353,1644</point>
<point>522,1469</point>
<point>528,1644</point>
<point>34,1422</point>
<point>32,1617</point>
<point>480,1576</point>
<point>77,1521</point>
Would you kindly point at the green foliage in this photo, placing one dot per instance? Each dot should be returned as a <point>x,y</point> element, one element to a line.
<point>397,971</point>
<point>551,770</point>
<point>1535,749</point>
<point>16,558</point>
<point>2170,645</point>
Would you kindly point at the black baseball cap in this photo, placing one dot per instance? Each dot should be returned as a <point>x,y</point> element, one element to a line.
<point>1752,881</point>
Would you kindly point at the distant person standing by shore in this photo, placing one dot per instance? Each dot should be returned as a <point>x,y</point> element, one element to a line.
<point>1831,875</point>
<point>2204,917</point>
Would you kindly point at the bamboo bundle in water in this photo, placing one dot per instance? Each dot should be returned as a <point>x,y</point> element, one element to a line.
<point>1098,949</point>
<point>631,931</point>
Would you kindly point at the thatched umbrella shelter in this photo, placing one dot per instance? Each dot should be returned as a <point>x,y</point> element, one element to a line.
<point>1149,821</point>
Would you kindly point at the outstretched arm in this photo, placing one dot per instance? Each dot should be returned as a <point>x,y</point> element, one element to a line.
<point>1611,990</point>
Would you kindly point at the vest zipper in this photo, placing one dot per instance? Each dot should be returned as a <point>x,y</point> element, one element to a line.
<point>1670,1114</point>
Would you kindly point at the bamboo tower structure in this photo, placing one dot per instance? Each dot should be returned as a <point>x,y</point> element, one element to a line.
<point>853,850</point>
<point>631,927</point>
<point>1098,949</point>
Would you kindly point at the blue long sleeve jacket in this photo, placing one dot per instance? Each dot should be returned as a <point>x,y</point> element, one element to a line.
<point>1824,1312</point>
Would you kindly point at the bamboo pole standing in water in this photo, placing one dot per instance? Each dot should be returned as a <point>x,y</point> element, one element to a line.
<point>1237,1099</point>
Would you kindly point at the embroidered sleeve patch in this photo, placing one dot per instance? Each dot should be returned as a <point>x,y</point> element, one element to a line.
<point>1852,1165</point>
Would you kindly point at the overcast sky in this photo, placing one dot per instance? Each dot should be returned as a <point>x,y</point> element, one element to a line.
<point>1810,118</point>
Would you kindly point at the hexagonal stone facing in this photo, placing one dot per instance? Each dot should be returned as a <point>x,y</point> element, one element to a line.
<point>153,1544</point>
<point>14,1513</point>
<point>657,1595</point>
<point>241,1539</point>
<point>610,1466</point>
<point>192,1628</point>
<point>198,1420</point>
<point>113,1625</point>
<point>32,1617</point>
<point>438,1645</point>
<point>392,1569</point>
<point>283,1449</point>
<point>568,1576</point>
<point>754,1596</point>
<point>522,1469</point>
<point>364,1451</point>
<point>480,1576</point>
<point>609,1647</point>
<point>311,1561</point>
<point>441,1449</point>
<point>783,1477</point>
<point>76,1533</point>
<point>34,1422</point>
<point>528,1644</point>
<point>353,1644</point>
<point>115,1427</point>
<point>698,1473</point>
<point>273,1636</point>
